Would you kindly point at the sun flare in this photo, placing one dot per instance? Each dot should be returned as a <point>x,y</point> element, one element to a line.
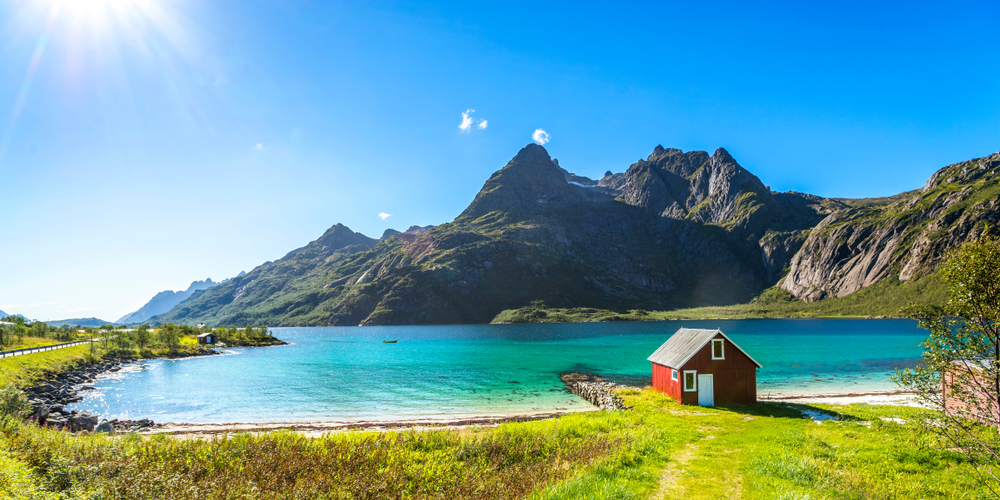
<point>96,6</point>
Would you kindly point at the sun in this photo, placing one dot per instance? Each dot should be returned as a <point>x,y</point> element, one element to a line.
<point>95,7</point>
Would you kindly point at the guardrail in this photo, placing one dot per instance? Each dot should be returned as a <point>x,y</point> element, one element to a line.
<point>15,352</point>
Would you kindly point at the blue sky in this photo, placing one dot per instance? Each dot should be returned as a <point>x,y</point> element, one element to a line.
<point>149,143</point>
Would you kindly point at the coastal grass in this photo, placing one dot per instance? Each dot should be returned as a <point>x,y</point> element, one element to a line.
<point>887,298</point>
<point>658,449</point>
<point>27,369</point>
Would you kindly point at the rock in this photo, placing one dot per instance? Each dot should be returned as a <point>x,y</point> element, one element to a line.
<point>105,427</point>
<point>83,421</point>
<point>41,412</point>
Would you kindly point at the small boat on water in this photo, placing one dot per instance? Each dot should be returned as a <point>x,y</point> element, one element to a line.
<point>389,341</point>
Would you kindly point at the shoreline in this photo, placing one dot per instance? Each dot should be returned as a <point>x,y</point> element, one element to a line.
<point>316,428</point>
<point>320,427</point>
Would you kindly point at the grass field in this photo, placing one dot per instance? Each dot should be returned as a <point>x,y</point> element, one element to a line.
<point>657,450</point>
<point>30,368</point>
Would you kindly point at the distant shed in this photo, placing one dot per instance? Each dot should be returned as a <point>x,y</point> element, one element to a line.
<point>704,367</point>
<point>207,338</point>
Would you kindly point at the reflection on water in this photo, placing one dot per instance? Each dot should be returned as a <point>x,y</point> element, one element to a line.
<point>347,373</point>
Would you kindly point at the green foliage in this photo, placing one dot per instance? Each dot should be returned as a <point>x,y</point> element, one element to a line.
<point>13,402</point>
<point>142,336</point>
<point>964,349</point>
<point>888,297</point>
<point>22,371</point>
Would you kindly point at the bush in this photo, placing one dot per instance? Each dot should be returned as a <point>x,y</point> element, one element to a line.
<point>13,402</point>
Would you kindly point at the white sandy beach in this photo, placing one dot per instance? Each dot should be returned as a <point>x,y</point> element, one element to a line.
<point>318,428</point>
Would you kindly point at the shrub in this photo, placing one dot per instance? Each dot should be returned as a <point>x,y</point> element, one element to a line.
<point>13,402</point>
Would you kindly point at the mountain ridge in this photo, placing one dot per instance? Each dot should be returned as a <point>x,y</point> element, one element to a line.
<point>163,302</point>
<point>674,230</point>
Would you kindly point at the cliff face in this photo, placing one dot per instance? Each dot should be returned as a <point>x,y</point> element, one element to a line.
<point>905,237</point>
<point>674,230</point>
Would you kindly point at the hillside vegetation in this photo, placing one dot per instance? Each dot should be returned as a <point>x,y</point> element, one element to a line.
<point>887,298</point>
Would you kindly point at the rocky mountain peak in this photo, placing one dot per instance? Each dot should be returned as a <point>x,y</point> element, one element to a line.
<point>532,154</point>
<point>340,236</point>
<point>527,184</point>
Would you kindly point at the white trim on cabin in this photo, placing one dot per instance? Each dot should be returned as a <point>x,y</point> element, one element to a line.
<point>722,348</point>
<point>673,374</point>
<point>694,380</point>
<point>695,351</point>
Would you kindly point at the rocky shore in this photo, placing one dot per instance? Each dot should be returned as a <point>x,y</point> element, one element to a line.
<point>50,398</point>
<point>595,389</point>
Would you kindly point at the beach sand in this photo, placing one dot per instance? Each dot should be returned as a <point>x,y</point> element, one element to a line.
<point>873,398</point>
<point>316,429</point>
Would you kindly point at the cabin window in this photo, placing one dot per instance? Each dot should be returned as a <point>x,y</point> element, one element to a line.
<point>718,349</point>
<point>673,374</point>
<point>690,380</point>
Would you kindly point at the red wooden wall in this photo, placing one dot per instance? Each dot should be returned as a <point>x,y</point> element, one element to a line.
<point>663,383</point>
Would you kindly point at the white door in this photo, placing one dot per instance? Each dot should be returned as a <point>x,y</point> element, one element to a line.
<point>706,394</point>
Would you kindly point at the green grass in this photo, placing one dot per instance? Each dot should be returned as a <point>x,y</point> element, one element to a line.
<point>27,369</point>
<point>885,298</point>
<point>31,368</point>
<point>29,342</point>
<point>657,450</point>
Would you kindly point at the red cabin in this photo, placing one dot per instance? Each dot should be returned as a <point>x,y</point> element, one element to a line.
<point>704,367</point>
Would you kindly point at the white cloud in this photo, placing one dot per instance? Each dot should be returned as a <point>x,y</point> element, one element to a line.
<point>384,215</point>
<point>468,121</point>
<point>466,125</point>
<point>540,136</point>
<point>259,147</point>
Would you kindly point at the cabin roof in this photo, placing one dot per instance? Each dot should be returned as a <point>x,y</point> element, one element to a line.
<point>685,343</point>
<point>205,334</point>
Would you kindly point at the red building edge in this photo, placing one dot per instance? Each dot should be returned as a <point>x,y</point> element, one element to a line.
<point>985,407</point>
<point>734,377</point>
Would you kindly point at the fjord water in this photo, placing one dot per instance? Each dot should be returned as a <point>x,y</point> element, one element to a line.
<point>348,373</point>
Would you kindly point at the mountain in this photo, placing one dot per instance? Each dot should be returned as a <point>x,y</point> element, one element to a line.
<point>77,322</point>
<point>3,314</point>
<point>163,302</point>
<point>903,237</point>
<point>677,229</point>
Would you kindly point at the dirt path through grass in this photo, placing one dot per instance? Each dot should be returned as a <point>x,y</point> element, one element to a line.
<point>670,479</point>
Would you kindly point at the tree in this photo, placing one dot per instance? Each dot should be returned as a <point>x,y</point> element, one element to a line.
<point>142,336</point>
<point>39,329</point>
<point>170,336</point>
<point>960,372</point>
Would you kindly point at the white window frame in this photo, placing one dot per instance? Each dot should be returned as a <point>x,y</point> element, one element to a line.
<point>694,374</point>
<point>673,375</point>
<point>722,344</point>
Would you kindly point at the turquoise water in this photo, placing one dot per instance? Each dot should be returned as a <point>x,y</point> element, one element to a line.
<point>347,373</point>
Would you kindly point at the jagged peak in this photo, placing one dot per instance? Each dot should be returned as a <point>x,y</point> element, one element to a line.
<point>529,181</point>
<point>532,153</point>
<point>659,152</point>
<point>721,155</point>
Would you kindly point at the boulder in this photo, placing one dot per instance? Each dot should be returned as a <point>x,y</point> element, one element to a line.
<point>105,427</point>
<point>83,421</point>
